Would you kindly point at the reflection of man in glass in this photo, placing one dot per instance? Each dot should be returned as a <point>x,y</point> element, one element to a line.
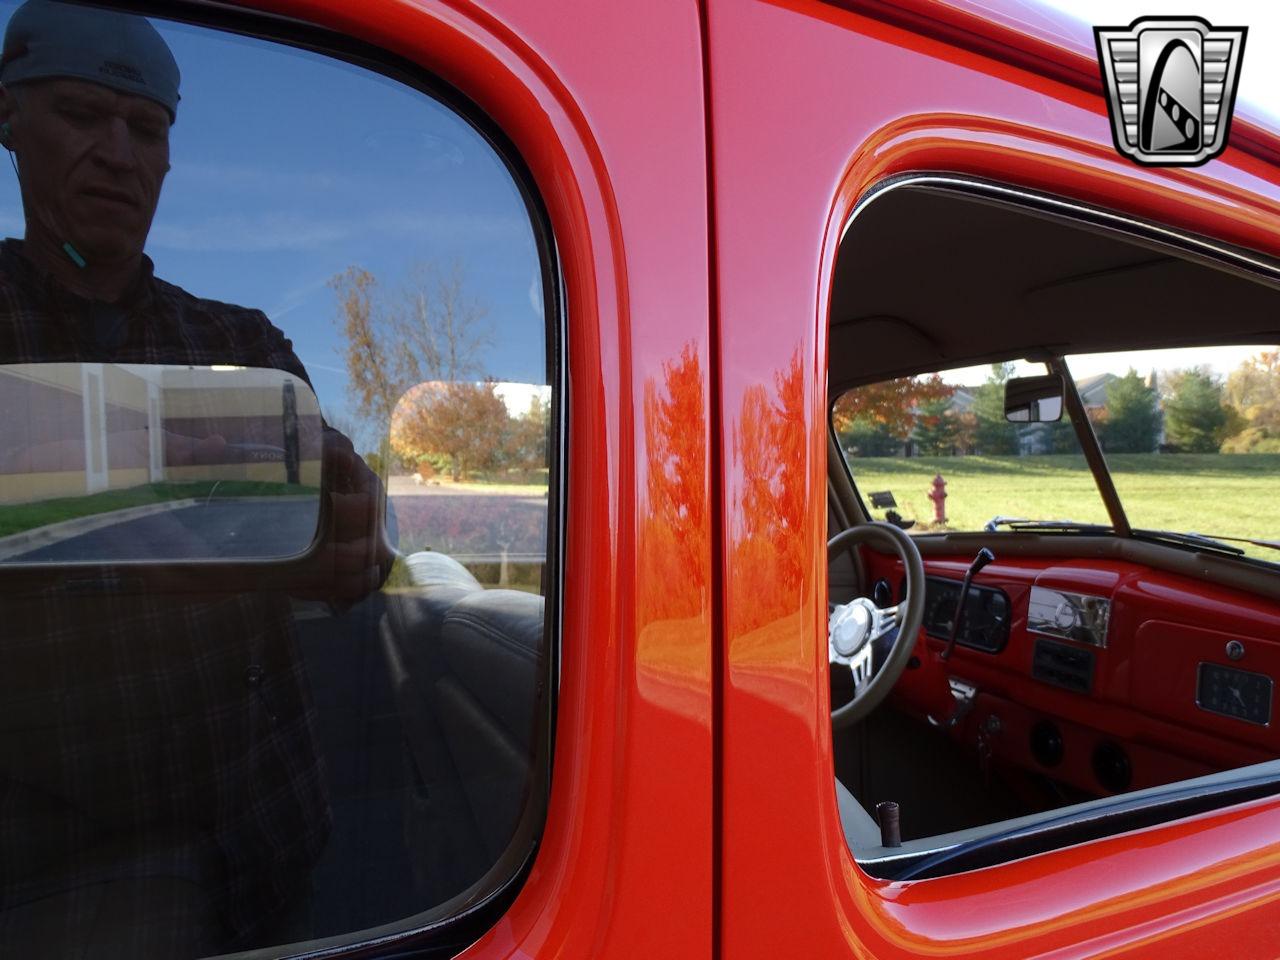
<point>162,784</point>
<point>88,98</point>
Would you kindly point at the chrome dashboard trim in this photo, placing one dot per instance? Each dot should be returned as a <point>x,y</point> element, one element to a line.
<point>1065,615</point>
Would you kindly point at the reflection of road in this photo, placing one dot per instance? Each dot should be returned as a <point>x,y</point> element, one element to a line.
<point>240,529</point>
<point>475,527</point>
<point>472,526</point>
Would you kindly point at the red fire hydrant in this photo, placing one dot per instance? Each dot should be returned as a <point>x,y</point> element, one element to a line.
<point>938,494</point>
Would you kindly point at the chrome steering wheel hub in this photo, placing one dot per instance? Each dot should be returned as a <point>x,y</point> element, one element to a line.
<point>854,627</point>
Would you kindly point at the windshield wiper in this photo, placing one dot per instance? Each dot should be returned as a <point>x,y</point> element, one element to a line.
<point>1065,526</point>
<point>1168,536</point>
<point>1209,543</point>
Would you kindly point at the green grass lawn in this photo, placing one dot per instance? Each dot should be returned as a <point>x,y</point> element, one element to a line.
<point>29,516</point>
<point>1232,495</point>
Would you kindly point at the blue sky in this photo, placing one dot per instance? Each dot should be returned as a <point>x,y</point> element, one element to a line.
<point>288,167</point>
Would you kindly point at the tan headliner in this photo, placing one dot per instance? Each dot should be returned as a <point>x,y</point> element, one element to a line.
<point>930,278</point>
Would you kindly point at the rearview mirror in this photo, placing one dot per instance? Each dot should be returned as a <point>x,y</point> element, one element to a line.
<point>1033,399</point>
<point>101,463</point>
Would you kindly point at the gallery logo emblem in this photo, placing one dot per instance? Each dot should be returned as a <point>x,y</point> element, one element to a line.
<point>1171,86</point>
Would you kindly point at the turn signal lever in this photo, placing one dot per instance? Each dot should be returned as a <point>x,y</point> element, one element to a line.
<point>983,558</point>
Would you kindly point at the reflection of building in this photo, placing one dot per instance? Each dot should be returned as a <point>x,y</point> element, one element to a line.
<point>77,428</point>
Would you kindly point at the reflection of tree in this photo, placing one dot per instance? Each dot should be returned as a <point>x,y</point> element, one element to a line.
<point>438,327</point>
<point>770,461</point>
<point>674,528</point>
<point>415,365</point>
<point>465,423</point>
<point>529,433</point>
<point>367,353</point>
<point>430,330</point>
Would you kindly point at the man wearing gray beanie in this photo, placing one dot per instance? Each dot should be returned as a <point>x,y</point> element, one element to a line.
<point>215,817</point>
<point>87,97</point>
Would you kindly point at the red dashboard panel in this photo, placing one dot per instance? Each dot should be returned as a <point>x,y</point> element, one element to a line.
<point>1140,704</point>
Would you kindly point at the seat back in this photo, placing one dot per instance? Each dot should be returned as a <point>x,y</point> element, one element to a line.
<point>465,664</point>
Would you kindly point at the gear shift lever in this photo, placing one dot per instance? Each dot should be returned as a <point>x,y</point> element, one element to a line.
<point>984,557</point>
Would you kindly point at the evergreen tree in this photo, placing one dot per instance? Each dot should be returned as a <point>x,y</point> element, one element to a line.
<point>993,435</point>
<point>1133,421</point>
<point>1194,416</point>
<point>937,428</point>
<point>866,437</point>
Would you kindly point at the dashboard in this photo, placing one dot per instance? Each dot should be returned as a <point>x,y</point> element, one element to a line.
<point>1106,675</point>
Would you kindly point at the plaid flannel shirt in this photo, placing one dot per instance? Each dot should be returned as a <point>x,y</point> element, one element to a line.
<point>129,719</point>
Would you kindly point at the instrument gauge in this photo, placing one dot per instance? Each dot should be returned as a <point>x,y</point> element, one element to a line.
<point>1235,693</point>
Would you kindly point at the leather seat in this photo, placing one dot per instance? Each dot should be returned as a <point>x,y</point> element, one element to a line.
<point>465,665</point>
<point>416,616</point>
<point>487,702</point>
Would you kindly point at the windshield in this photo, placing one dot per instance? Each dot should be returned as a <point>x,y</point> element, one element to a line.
<point>1191,439</point>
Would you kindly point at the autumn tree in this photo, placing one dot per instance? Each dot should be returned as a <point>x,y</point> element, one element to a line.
<point>368,355</point>
<point>1195,419</point>
<point>528,437</point>
<point>462,421</point>
<point>891,403</point>
<point>429,331</point>
<point>1252,394</point>
<point>876,419</point>
<point>438,328</point>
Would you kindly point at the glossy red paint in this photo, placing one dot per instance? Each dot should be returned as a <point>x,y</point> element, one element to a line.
<point>845,101</point>
<point>810,105</point>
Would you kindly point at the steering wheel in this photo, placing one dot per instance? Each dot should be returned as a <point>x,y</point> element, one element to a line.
<point>854,627</point>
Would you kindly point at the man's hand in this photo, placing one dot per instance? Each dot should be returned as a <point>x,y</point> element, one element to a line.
<point>353,558</point>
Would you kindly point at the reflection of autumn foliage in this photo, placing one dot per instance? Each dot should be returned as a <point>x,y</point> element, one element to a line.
<point>767,559</point>
<point>466,422</point>
<point>674,527</point>
<point>892,404</point>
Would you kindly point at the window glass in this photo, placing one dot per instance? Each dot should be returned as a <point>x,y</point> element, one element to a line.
<point>1196,448</point>
<point>910,440</point>
<point>274,485</point>
<point>1192,442</point>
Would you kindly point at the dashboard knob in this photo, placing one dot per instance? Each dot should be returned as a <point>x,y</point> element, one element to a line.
<point>882,594</point>
<point>1046,743</point>
<point>1111,766</point>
